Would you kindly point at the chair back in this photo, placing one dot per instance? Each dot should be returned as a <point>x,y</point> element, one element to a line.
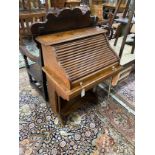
<point>31,5</point>
<point>25,22</point>
<point>58,3</point>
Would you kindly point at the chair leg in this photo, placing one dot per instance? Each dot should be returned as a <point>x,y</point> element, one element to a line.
<point>133,47</point>
<point>21,42</point>
<point>118,33</point>
<point>43,90</point>
<point>30,78</point>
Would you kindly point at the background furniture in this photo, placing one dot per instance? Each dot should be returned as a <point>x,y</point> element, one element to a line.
<point>65,3</point>
<point>30,11</point>
<point>58,3</point>
<point>36,76</point>
<point>108,7</point>
<point>32,5</point>
<point>72,3</point>
<point>25,22</point>
<point>127,22</point>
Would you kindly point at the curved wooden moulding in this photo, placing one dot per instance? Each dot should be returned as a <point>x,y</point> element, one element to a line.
<point>67,19</point>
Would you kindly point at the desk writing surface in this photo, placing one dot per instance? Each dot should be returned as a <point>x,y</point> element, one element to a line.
<point>60,37</point>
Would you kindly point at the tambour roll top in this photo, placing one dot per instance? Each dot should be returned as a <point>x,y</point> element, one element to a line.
<point>73,56</point>
<point>84,56</point>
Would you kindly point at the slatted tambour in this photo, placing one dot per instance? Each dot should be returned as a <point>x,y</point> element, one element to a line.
<point>85,56</point>
<point>77,59</point>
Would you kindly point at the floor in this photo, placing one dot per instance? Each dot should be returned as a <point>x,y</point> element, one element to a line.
<point>105,128</point>
<point>124,91</point>
<point>126,56</point>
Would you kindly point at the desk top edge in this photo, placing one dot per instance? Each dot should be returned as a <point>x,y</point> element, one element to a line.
<point>60,37</point>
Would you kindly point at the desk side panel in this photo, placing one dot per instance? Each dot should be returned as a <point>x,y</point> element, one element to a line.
<point>53,67</point>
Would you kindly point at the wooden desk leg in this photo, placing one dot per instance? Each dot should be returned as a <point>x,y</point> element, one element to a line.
<point>56,106</point>
<point>55,101</point>
<point>59,112</point>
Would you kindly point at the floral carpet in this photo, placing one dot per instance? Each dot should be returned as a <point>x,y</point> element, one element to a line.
<point>126,91</point>
<point>98,129</point>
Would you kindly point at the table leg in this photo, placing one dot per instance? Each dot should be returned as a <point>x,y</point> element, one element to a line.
<point>59,112</point>
<point>109,89</point>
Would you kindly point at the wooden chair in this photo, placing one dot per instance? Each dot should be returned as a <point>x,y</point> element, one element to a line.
<point>30,11</point>
<point>64,3</point>
<point>35,74</point>
<point>58,3</point>
<point>121,6</point>
<point>72,3</point>
<point>37,78</point>
<point>25,22</point>
<point>32,5</point>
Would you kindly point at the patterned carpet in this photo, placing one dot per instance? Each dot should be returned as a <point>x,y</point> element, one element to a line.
<point>98,129</point>
<point>126,91</point>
